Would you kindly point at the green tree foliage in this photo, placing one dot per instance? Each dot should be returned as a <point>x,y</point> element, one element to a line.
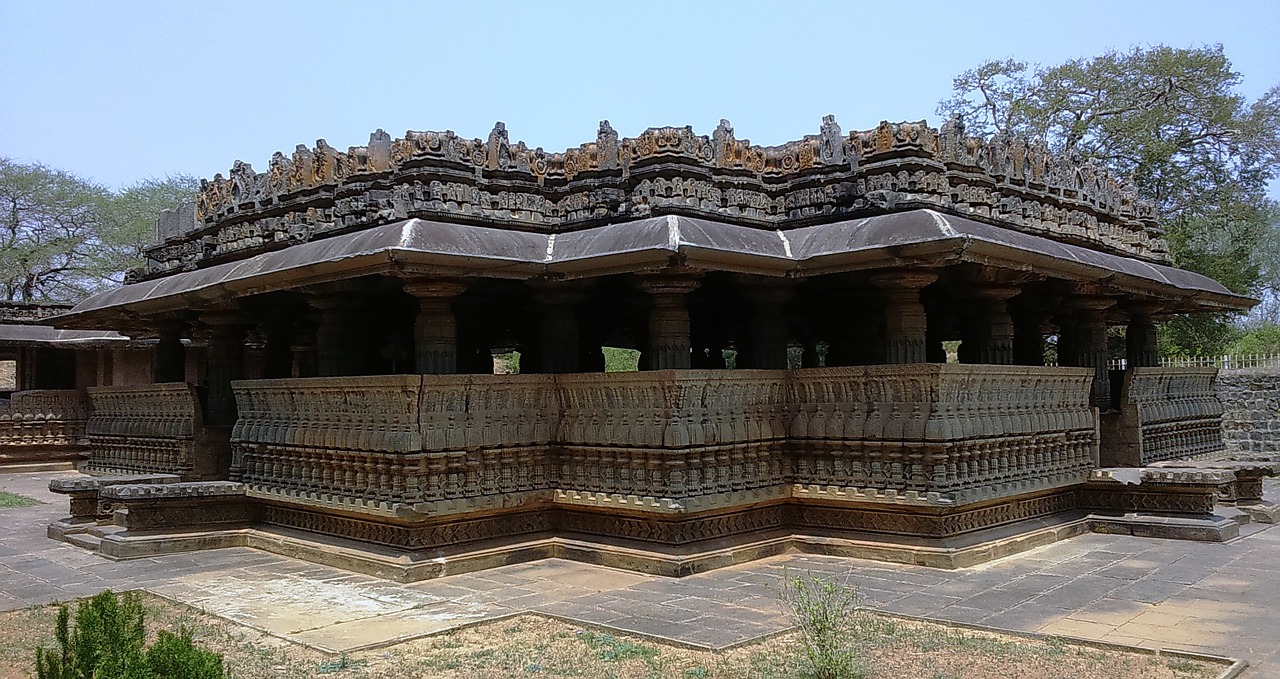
<point>49,233</point>
<point>1172,121</point>
<point>62,237</point>
<point>106,641</point>
<point>129,219</point>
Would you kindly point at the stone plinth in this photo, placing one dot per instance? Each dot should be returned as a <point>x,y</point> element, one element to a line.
<point>84,490</point>
<point>1165,502</point>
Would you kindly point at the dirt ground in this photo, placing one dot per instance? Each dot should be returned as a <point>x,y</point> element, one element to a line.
<point>533,646</point>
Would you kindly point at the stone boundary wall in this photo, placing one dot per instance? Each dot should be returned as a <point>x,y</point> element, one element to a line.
<point>1251,405</point>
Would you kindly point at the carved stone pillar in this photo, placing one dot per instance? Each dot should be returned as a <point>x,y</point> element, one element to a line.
<point>560,336</point>
<point>1087,343</point>
<point>225,358</point>
<point>668,346</point>
<point>338,349</point>
<point>435,331</point>
<point>170,358</point>
<point>905,322</point>
<point>1141,348</point>
<point>992,331</point>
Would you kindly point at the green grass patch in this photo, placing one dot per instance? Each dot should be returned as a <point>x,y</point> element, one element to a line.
<point>612,649</point>
<point>8,500</point>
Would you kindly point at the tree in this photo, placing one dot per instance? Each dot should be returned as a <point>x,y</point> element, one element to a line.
<point>49,233</point>
<point>64,237</point>
<point>129,219</point>
<point>1171,120</point>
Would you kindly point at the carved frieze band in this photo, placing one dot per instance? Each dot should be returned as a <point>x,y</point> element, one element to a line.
<point>831,174</point>
<point>672,441</point>
<point>44,418</point>
<point>149,428</point>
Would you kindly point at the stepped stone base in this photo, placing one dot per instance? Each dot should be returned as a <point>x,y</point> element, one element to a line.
<point>672,561</point>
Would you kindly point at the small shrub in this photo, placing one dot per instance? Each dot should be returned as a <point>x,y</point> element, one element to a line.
<point>834,626</point>
<point>106,641</point>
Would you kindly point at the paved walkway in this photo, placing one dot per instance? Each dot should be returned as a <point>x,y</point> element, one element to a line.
<point>1213,598</point>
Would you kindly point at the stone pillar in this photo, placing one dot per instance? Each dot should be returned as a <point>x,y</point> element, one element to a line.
<point>905,322</point>
<point>170,357</point>
<point>1088,344</point>
<point>992,332</point>
<point>338,349</point>
<point>435,330</point>
<point>768,342</point>
<point>668,347</point>
<point>1141,349</point>
<point>225,356</point>
<point>560,336</point>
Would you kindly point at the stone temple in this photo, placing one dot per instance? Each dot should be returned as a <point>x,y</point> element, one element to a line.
<point>322,336</point>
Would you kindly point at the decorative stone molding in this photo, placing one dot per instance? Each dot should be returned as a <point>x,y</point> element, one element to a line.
<point>1165,414</point>
<point>1151,490</point>
<point>206,505</point>
<point>664,441</point>
<point>831,175</point>
<point>153,428</point>
<point>83,491</point>
<point>918,429</point>
<point>43,425</point>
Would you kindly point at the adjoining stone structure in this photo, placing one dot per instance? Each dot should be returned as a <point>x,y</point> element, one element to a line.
<point>350,304</point>
<point>43,408</point>
<point>1251,421</point>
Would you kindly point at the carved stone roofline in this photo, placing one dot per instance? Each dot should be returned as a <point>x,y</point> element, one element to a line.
<point>824,177</point>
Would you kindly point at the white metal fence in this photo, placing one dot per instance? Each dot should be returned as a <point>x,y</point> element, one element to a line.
<point>1239,362</point>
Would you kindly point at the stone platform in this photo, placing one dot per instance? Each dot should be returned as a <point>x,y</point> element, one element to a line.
<point>1217,598</point>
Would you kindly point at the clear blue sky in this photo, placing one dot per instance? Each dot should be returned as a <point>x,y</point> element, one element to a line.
<point>119,91</point>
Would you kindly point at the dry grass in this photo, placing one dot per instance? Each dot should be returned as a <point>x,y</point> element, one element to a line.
<point>531,646</point>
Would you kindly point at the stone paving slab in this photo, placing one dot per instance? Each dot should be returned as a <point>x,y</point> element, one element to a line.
<point>1221,598</point>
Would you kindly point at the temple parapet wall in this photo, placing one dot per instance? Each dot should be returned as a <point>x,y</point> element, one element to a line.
<point>922,434</point>
<point>315,191</point>
<point>1164,414</point>
<point>35,424</point>
<point>153,428</point>
<point>664,441</point>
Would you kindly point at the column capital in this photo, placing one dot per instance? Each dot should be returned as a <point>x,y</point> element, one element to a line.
<point>670,284</point>
<point>1000,292</point>
<point>903,279</point>
<point>215,320</point>
<point>434,288</point>
<point>1090,305</point>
